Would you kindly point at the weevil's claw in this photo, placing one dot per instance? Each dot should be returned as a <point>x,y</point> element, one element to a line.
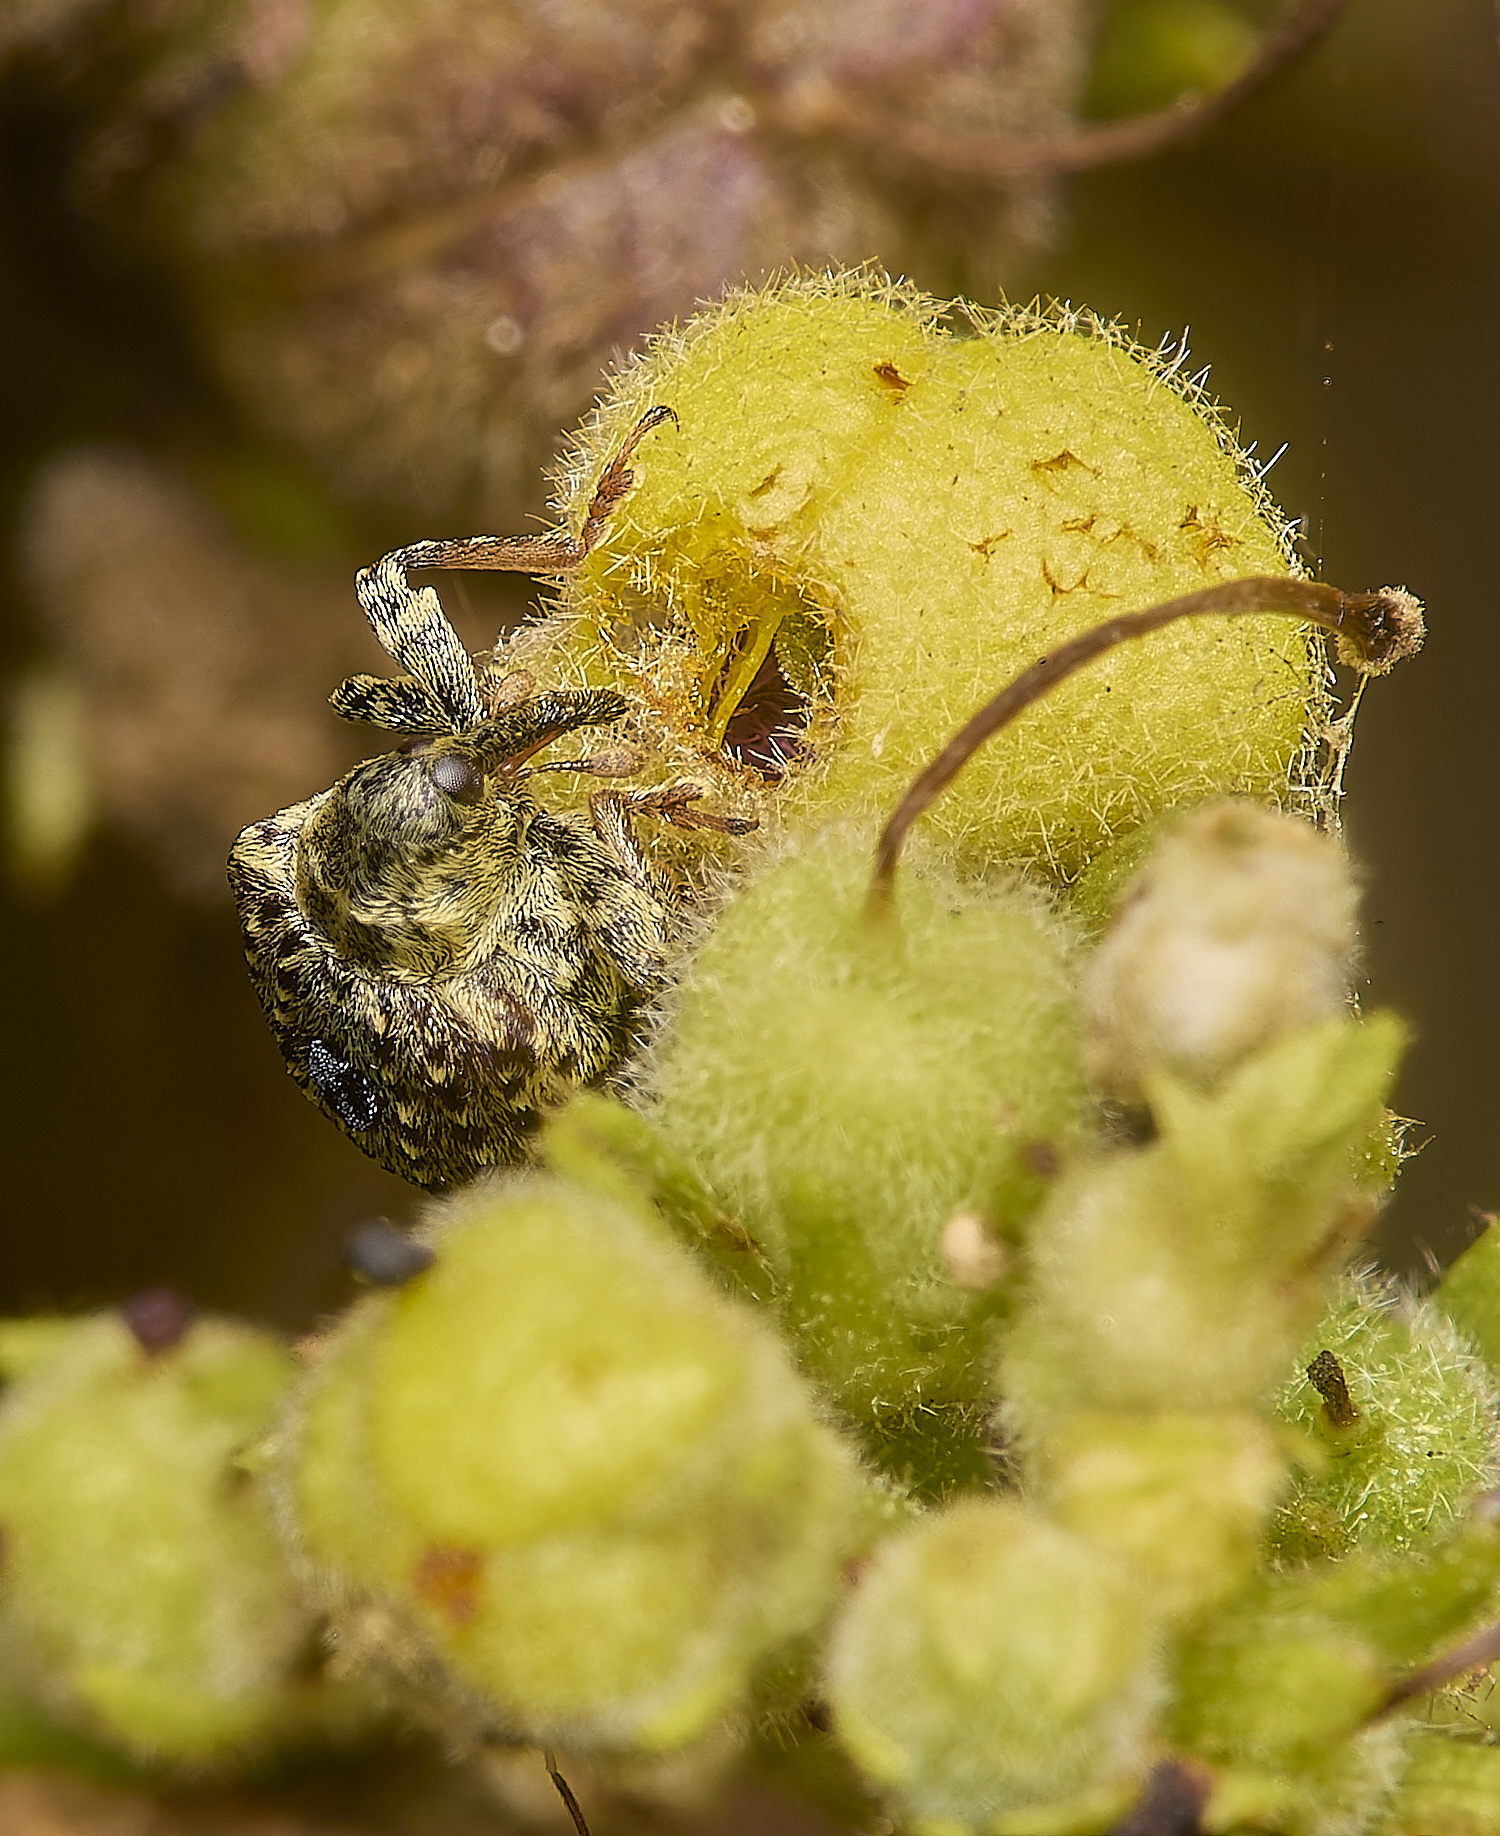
<point>672,805</point>
<point>617,477</point>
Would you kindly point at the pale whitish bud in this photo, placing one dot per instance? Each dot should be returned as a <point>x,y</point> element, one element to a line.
<point>971,1253</point>
<point>1239,929</point>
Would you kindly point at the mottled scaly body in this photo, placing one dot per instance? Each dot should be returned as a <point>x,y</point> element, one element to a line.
<point>440,957</point>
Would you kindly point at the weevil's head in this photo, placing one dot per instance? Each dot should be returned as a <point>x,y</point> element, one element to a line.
<point>405,863</point>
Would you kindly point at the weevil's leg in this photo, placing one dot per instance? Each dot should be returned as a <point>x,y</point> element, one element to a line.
<point>638,929</point>
<point>557,552</point>
<point>613,814</point>
<point>412,625</point>
<point>673,804</point>
<point>610,812</point>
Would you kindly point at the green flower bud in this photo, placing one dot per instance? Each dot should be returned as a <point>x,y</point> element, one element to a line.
<point>990,1661</point>
<point>1470,1294</point>
<point>1338,1791</point>
<point>863,524</point>
<point>1240,929</point>
<point>1450,1787</point>
<point>1184,1497</point>
<point>1408,1416</point>
<point>144,1596</point>
<point>849,1089</point>
<point>1279,1692</point>
<point>561,1479</point>
<point>1181,1275</point>
<point>1273,1689</point>
<point>1406,1607</point>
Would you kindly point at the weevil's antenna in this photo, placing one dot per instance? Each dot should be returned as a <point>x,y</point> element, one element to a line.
<point>1374,631</point>
<point>440,692</point>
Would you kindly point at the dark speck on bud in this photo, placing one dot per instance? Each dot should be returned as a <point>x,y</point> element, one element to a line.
<point>1040,1157</point>
<point>384,1256</point>
<point>159,1318</point>
<point>1326,1375</point>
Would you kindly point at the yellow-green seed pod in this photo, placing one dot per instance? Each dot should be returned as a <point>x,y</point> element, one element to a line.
<point>562,1482</point>
<point>1407,1413</point>
<point>990,1661</point>
<point>866,521</point>
<point>850,1088</point>
<point>1340,1790</point>
<point>1273,1690</point>
<point>144,1596</point>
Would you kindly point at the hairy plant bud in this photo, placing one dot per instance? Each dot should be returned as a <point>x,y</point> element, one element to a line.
<point>1408,1416</point>
<point>863,523</point>
<point>1274,1696</point>
<point>847,1088</point>
<point>144,1596</point>
<point>990,1662</point>
<point>1449,1787</point>
<point>1182,1275</point>
<point>1284,1691</point>
<point>1470,1294</point>
<point>1239,929</point>
<point>562,1482</point>
<point>1184,1496</point>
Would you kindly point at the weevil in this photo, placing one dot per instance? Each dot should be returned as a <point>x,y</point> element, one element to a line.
<point>442,958</point>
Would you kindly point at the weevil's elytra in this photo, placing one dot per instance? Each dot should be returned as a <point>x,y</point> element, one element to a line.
<point>440,956</point>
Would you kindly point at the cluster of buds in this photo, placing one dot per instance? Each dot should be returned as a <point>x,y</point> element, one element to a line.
<point>943,1350</point>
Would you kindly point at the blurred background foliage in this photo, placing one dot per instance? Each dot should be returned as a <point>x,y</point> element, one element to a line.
<point>285,283</point>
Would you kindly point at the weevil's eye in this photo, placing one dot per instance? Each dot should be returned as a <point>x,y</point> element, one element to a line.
<point>457,778</point>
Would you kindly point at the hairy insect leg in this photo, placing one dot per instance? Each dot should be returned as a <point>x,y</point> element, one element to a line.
<point>445,695</point>
<point>614,814</point>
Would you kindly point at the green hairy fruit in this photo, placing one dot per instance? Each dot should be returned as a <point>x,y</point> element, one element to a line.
<point>563,1482</point>
<point>145,1599</point>
<point>873,511</point>
<point>850,1091</point>
<point>991,1661</point>
<point>1407,1420</point>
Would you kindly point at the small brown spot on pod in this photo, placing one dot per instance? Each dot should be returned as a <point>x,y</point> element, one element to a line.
<point>449,1580</point>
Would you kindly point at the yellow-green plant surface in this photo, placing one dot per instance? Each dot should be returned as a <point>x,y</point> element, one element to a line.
<point>907,506</point>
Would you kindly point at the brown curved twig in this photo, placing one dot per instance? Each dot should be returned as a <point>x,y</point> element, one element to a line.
<point>1475,1652</point>
<point>1301,24</point>
<point>565,1792</point>
<point>1375,631</point>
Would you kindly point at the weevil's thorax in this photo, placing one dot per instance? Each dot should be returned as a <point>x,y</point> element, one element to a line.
<point>401,875</point>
